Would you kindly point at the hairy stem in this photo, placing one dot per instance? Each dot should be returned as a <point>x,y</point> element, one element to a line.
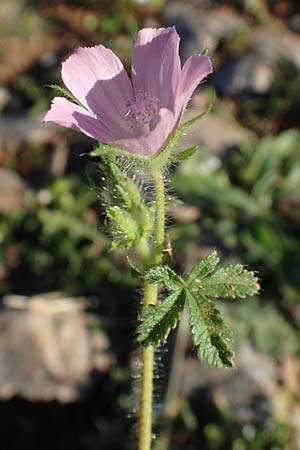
<point>145,419</point>
<point>150,298</point>
<point>160,215</point>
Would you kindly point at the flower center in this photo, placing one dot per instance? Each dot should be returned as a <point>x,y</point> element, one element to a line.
<point>141,110</point>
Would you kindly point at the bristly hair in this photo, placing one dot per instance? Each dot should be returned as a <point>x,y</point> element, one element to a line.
<point>159,386</point>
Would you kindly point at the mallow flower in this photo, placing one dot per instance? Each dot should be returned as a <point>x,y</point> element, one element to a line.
<point>136,115</point>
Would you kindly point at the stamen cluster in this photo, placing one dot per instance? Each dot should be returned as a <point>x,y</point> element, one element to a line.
<point>141,110</point>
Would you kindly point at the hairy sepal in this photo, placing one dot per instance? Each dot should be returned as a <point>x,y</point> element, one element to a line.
<point>130,219</point>
<point>128,190</point>
<point>126,229</point>
<point>112,153</point>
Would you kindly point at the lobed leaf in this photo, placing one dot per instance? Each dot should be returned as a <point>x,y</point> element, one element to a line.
<point>159,320</point>
<point>204,268</point>
<point>165,275</point>
<point>229,282</point>
<point>210,334</point>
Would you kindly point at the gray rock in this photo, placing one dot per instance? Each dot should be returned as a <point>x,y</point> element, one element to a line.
<point>10,12</point>
<point>246,392</point>
<point>204,28</point>
<point>253,72</point>
<point>276,43</point>
<point>213,132</point>
<point>200,27</point>
<point>250,73</point>
<point>12,191</point>
<point>17,129</point>
<point>290,47</point>
<point>47,348</point>
<point>294,23</point>
<point>4,97</point>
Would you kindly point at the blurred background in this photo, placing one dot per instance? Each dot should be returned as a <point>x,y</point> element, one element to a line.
<point>69,306</point>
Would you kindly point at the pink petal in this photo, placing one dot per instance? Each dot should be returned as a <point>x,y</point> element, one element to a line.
<point>149,144</point>
<point>196,68</point>
<point>161,132</point>
<point>156,64</point>
<point>67,114</point>
<point>97,78</point>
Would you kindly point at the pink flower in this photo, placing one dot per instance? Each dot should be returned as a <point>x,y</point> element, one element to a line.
<point>137,115</point>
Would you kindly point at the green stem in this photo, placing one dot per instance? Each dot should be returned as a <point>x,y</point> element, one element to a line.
<point>160,215</point>
<point>150,298</point>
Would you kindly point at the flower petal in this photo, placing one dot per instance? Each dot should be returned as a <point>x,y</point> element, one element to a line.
<point>67,114</point>
<point>156,64</point>
<point>195,69</point>
<point>97,78</point>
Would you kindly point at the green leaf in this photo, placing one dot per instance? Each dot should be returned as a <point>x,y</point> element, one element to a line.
<point>205,52</point>
<point>204,268</point>
<point>207,281</point>
<point>65,93</point>
<point>229,282</point>
<point>210,334</point>
<point>159,320</point>
<point>185,154</point>
<point>165,275</point>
